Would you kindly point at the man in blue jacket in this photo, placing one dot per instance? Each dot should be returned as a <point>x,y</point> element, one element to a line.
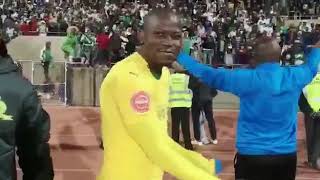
<point>267,124</point>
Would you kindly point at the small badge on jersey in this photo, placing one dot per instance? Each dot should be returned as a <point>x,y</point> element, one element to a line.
<point>140,102</point>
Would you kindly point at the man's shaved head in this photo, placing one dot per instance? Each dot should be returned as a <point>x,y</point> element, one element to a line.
<point>160,13</point>
<point>266,49</point>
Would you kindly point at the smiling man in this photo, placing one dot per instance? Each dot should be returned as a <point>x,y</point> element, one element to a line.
<point>134,104</point>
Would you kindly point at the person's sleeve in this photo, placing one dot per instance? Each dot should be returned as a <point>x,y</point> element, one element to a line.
<point>237,81</point>
<point>193,83</point>
<point>305,73</point>
<point>210,166</point>
<point>144,127</point>
<point>313,61</point>
<point>41,54</point>
<point>33,150</point>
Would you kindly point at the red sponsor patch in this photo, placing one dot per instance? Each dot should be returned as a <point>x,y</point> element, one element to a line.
<point>140,102</point>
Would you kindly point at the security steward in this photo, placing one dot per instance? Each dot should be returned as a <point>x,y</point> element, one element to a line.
<point>134,106</point>
<point>309,104</point>
<point>180,100</point>
<point>23,125</point>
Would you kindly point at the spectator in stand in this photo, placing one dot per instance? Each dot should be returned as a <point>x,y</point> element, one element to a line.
<point>187,44</point>
<point>42,28</point>
<point>88,42</point>
<point>24,27</point>
<point>69,44</point>
<point>115,45</point>
<point>103,41</point>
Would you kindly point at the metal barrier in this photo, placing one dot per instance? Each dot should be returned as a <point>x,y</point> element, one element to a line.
<point>300,17</point>
<point>72,84</point>
<point>52,92</point>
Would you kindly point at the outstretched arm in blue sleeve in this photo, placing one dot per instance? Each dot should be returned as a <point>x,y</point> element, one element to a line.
<point>304,74</point>
<point>313,61</point>
<point>233,81</point>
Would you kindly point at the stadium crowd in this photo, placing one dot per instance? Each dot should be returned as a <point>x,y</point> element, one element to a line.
<point>217,32</point>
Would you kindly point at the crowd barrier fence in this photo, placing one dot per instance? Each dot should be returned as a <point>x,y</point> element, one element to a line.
<point>72,84</point>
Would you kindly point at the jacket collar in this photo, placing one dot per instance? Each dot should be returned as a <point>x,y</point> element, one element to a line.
<point>7,65</point>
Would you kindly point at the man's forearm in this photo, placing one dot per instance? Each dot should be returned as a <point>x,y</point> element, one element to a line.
<point>313,61</point>
<point>214,78</point>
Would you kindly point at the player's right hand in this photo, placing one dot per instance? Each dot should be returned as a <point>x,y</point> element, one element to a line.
<point>217,166</point>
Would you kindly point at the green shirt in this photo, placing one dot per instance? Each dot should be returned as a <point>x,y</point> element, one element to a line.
<point>69,44</point>
<point>46,55</point>
<point>187,45</point>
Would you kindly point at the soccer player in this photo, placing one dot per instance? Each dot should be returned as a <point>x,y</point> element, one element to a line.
<point>134,106</point>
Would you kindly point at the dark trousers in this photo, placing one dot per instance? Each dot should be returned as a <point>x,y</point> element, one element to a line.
<point>313,138</point>
<point>265,167</point>
<point>181,115</point>
<point>101,57</point>
<point>46,70</point>
<point>207,108</point>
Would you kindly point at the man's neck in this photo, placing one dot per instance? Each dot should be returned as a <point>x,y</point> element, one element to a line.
<point>155,69</point>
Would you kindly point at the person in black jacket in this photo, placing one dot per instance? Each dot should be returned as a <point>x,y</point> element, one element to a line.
<point>202,101</point>
<point>23,125</point>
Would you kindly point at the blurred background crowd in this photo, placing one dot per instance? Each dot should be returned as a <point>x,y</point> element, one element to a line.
<point>215,31</point>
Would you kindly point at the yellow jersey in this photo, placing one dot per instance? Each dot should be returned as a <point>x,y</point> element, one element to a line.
<point>134,107</point>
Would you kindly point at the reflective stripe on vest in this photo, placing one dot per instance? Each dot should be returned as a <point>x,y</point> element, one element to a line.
<point>312,93</point>
<point>180,95</point>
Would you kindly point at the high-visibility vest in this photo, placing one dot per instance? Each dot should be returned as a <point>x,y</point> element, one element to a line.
<point>180,95</point>
<point>312,93</point>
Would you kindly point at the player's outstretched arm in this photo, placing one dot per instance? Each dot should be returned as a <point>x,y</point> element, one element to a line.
<point>210,166</point>
<point>235,81</point>
<point>313,59</point>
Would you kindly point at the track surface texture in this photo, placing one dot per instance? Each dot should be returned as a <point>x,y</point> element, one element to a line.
<point>75,144</point>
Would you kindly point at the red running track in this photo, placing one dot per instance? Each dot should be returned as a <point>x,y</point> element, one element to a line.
<point>76,155</point>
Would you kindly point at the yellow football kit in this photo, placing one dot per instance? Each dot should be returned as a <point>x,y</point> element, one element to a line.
<point>137,146</point>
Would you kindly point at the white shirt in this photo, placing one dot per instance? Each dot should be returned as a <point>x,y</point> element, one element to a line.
<point>213,34</point>
<point>201,31</point>
<point>10,32</point>
<point>3,17</point>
